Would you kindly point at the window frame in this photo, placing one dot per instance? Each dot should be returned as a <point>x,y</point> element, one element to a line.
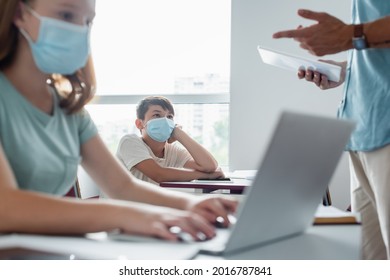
<point>213,98</point>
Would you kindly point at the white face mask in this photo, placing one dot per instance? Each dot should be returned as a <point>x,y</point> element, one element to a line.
<point>61,47</point>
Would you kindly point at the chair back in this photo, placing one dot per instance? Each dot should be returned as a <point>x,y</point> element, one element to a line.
<point>85,186</point>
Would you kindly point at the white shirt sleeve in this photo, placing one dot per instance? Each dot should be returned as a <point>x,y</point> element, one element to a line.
<point>132,150</point>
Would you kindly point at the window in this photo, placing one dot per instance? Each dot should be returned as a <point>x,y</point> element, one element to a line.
<point>162,46</point>
<point>176,48</point>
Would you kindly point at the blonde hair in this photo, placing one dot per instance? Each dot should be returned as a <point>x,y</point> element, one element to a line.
<point>76,90</point>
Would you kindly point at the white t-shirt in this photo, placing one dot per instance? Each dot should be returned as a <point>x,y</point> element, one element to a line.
<point>133,150</point>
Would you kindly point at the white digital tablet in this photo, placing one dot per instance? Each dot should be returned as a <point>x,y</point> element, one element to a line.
<point>292,62</point>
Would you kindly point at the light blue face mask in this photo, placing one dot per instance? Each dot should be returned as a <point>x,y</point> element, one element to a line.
<point>61,47</point>
<point>160,129</point>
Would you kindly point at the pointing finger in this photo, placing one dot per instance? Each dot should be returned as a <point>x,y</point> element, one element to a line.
<point>293,33</point>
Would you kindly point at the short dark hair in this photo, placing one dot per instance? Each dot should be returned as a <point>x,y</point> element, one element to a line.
<point>145,103</point>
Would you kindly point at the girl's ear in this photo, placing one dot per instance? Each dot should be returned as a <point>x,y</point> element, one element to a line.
<point>19,15</point>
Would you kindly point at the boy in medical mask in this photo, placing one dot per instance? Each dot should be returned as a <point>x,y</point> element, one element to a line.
<point>155,156</point>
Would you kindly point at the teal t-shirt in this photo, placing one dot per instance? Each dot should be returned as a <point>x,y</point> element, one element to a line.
<point>43,150</point>
<point>367,85</point>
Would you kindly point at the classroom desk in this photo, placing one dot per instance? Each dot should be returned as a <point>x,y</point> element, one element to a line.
<point>326,242</point>
<point>321,242</point>
<point>235,186</point>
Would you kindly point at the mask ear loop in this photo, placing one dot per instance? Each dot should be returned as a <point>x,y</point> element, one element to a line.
<point>32,11</point>
<point>26,35</point>
<point>35,14</point>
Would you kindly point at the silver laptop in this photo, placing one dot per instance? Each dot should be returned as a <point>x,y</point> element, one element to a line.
<point>290,183</point>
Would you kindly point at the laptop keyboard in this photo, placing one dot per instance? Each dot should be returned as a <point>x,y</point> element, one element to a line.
<point>216,244</point>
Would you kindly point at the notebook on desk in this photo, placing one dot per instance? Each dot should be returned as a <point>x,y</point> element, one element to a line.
<point>295,171</point>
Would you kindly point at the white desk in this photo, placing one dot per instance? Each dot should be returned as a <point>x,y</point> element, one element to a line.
<point>322,242</point>
<point>319,242</point>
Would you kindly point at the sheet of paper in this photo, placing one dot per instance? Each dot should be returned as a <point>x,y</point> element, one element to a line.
<point>216,181</point>
<point>293,63</point>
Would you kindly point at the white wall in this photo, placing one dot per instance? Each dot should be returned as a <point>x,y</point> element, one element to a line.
<point>259,91</point>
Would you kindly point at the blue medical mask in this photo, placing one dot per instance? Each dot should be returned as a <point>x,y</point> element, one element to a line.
<point>160,129</point>
<point>61,47</point>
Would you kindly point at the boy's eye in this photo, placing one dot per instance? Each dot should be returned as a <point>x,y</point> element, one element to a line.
<point>67,16</point>
<point>157,116</point>
<point>170,117</point>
